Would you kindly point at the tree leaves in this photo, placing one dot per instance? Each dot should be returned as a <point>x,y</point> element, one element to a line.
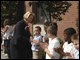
<point>61,7</point>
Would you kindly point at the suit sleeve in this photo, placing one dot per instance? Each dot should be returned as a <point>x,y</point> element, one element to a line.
<point>21,39</point>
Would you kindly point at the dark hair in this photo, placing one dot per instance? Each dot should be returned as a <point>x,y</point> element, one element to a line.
<point>47,23</point>
<point>55,24</point>
<point>38,27</point>
<point>70,31</point>
<point>7,22</point>
<point>52,29</point>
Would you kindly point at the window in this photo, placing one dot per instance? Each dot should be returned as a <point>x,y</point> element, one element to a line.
<point>41,18</point>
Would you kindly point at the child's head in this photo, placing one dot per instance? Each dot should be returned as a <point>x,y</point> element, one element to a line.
<point>46,24</point>
<point>75,40</point>
<point>55,24</point>
<point>68,33</point>
<point>7,22</point>
<point>52,31</point>
<point>37,30</point>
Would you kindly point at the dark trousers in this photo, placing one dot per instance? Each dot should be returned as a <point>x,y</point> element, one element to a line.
<point>9,55</point>
<point>6,45</point>
<point>17,53</point>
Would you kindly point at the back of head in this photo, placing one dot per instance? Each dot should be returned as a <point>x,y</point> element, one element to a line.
<point>7,22</point>
<point>52,29</point>
<point>70,31</point>
<point>55,24</point>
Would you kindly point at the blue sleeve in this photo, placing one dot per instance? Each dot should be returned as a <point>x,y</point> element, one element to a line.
<point>76,56</point>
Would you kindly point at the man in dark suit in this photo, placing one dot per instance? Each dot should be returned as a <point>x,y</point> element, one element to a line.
<point>20,46</point>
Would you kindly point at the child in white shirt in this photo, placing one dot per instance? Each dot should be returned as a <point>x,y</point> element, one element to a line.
<point>68,47</point>
<point>75,40</point>
<point>53,43</point>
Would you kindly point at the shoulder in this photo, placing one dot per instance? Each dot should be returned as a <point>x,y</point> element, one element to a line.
<point>45,35</point>
<point>20,22</point>
<point>56,40</point>
<point>7,27</point>
<point>65,43</point>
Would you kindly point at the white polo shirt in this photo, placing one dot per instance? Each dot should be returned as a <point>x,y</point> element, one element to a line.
<point>69,48</point>
<point>53,44</point>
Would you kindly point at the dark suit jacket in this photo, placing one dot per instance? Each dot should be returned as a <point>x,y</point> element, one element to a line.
<point>21,37</point>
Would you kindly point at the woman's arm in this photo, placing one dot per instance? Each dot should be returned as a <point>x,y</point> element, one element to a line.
<point>5,29</point>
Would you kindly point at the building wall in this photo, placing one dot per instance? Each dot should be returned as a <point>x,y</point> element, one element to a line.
<point>70,19</point>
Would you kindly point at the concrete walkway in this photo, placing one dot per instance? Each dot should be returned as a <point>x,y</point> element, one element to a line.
<point>3,57</point>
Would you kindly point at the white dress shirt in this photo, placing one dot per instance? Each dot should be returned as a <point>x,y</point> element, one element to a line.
<point>53,44</point>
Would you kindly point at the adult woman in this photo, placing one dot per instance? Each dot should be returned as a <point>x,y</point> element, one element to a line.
<point>20,46</point>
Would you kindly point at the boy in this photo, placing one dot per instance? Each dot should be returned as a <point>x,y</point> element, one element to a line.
<point>68,47</point>
<point>53,43</point>
<point>36,50</point>
<point>75,40</point>
<point>46,24</point>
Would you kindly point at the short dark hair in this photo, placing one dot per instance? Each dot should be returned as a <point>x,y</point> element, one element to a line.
<point>38,27</point>
<point>52,29</point>
<point>70,31</point>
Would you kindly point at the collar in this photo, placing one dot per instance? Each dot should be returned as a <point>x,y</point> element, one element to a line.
<point>38,35</point>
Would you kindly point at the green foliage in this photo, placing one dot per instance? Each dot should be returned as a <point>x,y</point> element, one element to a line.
<point>55,8</point>
<point>61,42</point>
<point>11,10</point>
<point>43,54</point>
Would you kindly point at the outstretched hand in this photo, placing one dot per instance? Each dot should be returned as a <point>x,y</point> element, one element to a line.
<point>43,46</point>
<point>34,41</point>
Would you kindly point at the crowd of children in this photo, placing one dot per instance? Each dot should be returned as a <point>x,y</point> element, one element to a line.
<point>51,44</point>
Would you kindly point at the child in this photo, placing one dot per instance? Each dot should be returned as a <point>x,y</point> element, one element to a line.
<point>75,40</point>
<point>35,50</point>
<point>7,29</point>
<point>53,43</point>
<point>46,24</point>
<point>68,45</point>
